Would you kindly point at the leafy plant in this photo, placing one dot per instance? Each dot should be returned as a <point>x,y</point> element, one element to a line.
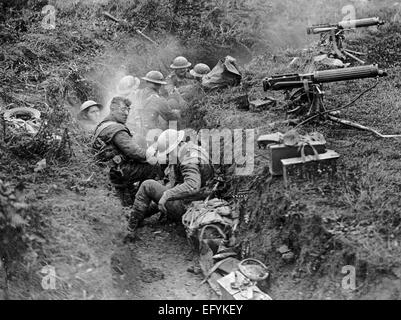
<point>15,240</point>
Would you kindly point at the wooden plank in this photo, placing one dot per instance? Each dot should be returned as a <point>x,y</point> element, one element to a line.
<point>330,154</point>
<point>229,293</point>
<point>257,295</point>
<point>225,282</point>
<point>229,265</point>
<point>213,282</point>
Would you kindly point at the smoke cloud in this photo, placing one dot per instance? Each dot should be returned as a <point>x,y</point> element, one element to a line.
<point>134,56</point>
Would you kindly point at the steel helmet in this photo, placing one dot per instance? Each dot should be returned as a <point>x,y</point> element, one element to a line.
<point>167,142</point>
<point>152,135</point>
<point>86,105</point>
<point>200,70</point>
<point>127,84</point>
<point>154,77</point>
<point>180,63</point>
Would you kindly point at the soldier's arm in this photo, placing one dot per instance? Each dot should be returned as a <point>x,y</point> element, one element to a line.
<point>168,88</point>
<point>163,92</point>
<point>124,142</point>
<point>190,186</point>
<point>176,101</point>
<point>165,111</point>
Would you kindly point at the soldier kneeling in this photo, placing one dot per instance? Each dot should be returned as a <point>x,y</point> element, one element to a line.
<point>189,170</point>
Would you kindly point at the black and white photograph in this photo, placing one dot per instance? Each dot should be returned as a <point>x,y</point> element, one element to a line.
<point>200,154</point>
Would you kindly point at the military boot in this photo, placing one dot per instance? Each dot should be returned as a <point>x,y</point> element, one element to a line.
<point>133,224</point>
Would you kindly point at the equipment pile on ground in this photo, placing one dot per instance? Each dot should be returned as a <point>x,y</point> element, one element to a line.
<point>210,227</point>
<point>302,156</point>
<point>224,74</point>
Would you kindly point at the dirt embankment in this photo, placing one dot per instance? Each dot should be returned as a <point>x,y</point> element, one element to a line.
<point>354,221</point>
<point>76,222</point>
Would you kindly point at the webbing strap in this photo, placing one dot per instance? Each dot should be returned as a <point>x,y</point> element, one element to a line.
<point>101,128</point>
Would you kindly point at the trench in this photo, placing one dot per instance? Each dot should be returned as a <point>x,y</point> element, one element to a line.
<point>155,267</point>
<point>92,261</point>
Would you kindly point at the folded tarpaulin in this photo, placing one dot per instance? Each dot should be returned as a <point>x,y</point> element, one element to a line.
<point>224,74</point>
<point>199,214</point>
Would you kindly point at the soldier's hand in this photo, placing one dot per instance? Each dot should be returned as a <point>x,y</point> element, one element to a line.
<point>173,92</point>
<point>162,204</point>
<point>152,161</point>
<point>177,112</point>
<point>151,155</point>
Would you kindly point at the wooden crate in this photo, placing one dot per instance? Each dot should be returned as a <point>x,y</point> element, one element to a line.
<point>228,293</point>
<point>261,104</point>
<point>310,168</point>
<point>280,151</point>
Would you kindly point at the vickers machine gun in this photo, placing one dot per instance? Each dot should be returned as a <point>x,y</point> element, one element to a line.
<point>306,102</point>
<point>333,35</point>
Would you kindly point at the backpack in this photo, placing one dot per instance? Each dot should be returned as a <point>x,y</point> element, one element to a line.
<point>105,151</point>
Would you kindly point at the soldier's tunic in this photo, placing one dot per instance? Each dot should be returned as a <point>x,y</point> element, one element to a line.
<point>148,108</point>
<point>125,155</point>
<point>188,179</point>
<point>173,81</point>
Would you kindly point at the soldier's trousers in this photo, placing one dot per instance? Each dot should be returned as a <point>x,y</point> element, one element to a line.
<point>127,178</point>
<point>151,190</point>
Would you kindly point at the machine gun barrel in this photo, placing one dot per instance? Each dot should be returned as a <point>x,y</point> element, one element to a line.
<point>353,73</point>
<point>292,81</point>
<point>360,23</point>
<point>342,25</point>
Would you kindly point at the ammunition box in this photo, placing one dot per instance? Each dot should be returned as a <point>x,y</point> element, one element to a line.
<point>281,151</point>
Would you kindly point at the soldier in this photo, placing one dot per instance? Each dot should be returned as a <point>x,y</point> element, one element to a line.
<point>151,111</point>
<point>127,87</point>
<point>180,77</point>
<point>125,153</point>
<point>188,175</point>
<point>199,71</point>
<point>90,114</point>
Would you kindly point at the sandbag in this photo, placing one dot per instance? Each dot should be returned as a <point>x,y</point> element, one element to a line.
<point>224,74</point>
<point>324,62</point>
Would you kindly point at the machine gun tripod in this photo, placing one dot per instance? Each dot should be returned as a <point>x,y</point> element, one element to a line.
<point>306,103</point>
<point>333,35</point>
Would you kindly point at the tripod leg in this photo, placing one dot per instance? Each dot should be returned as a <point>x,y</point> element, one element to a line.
<point>336,49</point>
<point>361,127</point>
<point>317,105</point>
<point>355,52</point>
<point>353,57</point>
